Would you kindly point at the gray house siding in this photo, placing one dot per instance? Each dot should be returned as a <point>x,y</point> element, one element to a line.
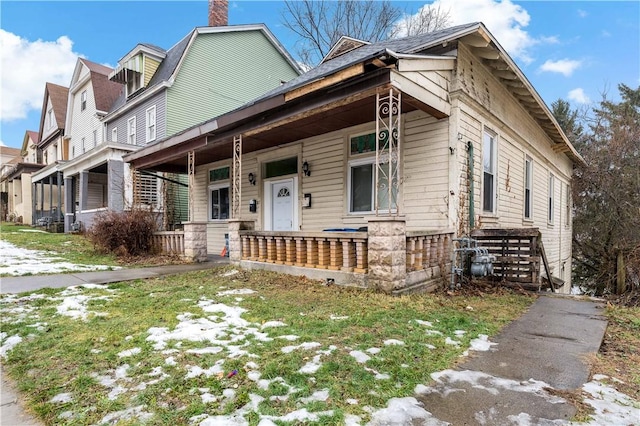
<point>221,72</point>
<point>159,100</point>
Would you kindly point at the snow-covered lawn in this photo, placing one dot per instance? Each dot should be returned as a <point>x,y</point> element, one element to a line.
<point>20,261</point>
<point>218,328</point>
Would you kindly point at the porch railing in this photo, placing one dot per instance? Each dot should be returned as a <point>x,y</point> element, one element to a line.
<point>169,242</point>
<point>426,249</point>
<point>339,251</point>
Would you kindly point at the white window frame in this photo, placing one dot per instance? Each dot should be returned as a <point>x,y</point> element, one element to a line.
<point>114,134</point>
<point>487,133</point>
<point>95,138</point>
<point>150,124</point>
<point>551,199</point>
<point>217,187</point>
<point>528,186</point>
<point>370,160</point>
<point>83,100</point>
<point>131,130</point>
<point>567,206</point>
<point>83,145</point>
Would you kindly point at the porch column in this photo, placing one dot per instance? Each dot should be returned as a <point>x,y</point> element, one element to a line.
<point>69,203</point>
<point>235,242</point>
<point>59,182</point>
<point>84,190</point>
<point>195,241</point>
<point>34,203</point>
<point>387,253</point>
<point>51,198</point>
<point>41,199</point>
<point>115,185</point>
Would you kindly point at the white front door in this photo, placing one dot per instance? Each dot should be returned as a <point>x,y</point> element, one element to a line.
<point>282,214</point>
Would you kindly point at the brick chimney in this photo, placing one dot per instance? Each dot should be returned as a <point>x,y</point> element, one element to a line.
<point>218,13</point>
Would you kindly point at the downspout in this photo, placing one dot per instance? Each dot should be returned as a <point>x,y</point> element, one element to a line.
<point>472,215</point>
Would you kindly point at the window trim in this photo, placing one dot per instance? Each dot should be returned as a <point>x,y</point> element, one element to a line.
<point>361,161</point>
<point>83,145</point>
<point>131,131</point>
<point>114,134</point>
<point>50,118</point>
<point>83,100</point>
<point>528,185</point>
<point>149,127</point>
<point>494,161</point>
<point>551,188</point>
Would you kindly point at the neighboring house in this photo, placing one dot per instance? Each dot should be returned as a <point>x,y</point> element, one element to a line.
<point>402,145</point>
<point>52,151</point>
<point>210,71</point>
<point>9,157</point>
<point>87,191</point>
<point>15,180</point>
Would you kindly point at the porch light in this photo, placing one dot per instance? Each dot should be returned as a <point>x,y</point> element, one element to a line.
<point>305,169</point>
<point>252,179</point>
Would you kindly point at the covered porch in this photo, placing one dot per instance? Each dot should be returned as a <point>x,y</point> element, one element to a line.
<point>350,235</point>
<point>48,206</point>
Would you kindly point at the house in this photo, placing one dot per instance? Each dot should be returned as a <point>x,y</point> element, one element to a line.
<point>210,71</point>
<point>8,158</point>
<point>366,169</point>
<point>51,151</point>
<point>15,180</point>
<point>91,95</point>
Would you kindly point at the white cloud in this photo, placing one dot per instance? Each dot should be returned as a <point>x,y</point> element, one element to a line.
<point>605,33</point>
<point>582,13</point>
<point>565,67</point>
<point>505,20</point>
<point>578,96</point>
<point>2,143</point>
<point>26,67</point>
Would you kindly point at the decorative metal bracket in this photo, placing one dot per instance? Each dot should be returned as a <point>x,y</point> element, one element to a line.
<point>236,199</point>
<point>388,146</point>
<point>191,171</point>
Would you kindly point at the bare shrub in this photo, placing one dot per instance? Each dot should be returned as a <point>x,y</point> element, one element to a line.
<point>128,233</point>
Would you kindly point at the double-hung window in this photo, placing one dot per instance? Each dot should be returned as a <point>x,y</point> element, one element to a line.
<point>489,167</point>
<point>219,193</point>
<point>114,134</point>
<point>83,100</point>
<point>528,187</point>
<point>151,124</point>
<point>550,203</point>
<point>362,186</point>
<point>131,131</point>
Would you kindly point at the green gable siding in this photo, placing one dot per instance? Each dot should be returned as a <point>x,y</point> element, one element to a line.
<point>221,72</point>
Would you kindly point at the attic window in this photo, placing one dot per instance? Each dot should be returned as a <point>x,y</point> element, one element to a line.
<point>83,101</point>
<point>134,83</point>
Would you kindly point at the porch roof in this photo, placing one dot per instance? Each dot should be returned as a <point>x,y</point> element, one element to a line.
<point>341,93</point>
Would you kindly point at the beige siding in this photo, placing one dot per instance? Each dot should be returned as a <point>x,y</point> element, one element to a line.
<point>484,103</point>
<point>326,183</point>
<point>426,172</point>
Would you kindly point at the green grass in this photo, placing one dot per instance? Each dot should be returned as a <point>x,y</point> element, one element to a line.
<point>70,355</point>
<point>69,247</point>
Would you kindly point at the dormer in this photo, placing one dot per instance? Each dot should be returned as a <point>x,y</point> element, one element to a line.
<point>343,45</point>
<point>137,67</point>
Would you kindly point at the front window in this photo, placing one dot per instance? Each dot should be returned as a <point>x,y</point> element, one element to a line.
<point>219,202</point>
<point>83,101</point>
<point>489,173</point>
<point>114,134</point>
<point>362,185</point>
<point>219,193</point>
<point>151,124</point>
<point>131,131</point>
<point>146,190</point>
<point>528,190</point>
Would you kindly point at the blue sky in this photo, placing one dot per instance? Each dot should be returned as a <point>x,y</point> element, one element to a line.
<point>574,50</point>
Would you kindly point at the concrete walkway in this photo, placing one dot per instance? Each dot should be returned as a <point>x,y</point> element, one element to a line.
<point>548,346</point>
